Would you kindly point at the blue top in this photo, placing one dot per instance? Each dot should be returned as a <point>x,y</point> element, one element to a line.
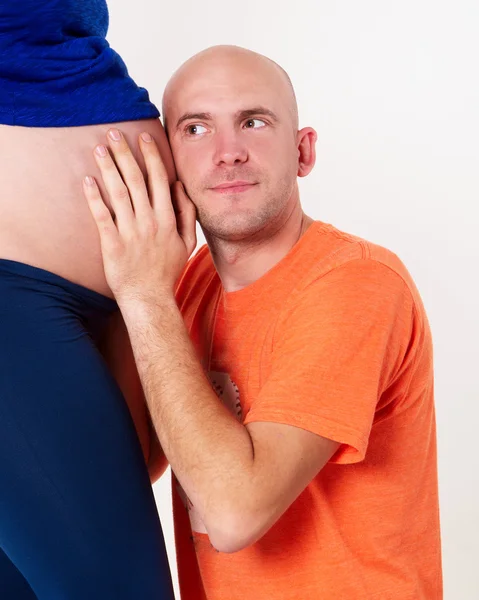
<point>58,70</point>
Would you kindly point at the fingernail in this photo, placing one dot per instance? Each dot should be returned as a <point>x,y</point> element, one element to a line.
<point>89,181</point>
<point>146,137</point>
<point>115,135</point>
<point>100,150</point>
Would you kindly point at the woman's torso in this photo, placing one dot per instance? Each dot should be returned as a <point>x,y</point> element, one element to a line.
<point>44,218</point>
<point>60,86</point>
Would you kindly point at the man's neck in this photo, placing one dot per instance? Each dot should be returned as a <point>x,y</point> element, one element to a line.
<point>241,263</point>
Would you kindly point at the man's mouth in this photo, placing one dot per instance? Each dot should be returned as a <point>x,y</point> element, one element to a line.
<point>233,187</point>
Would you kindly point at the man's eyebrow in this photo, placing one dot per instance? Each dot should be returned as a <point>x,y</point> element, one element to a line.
<point>194,116</point>
<point>257,110</point>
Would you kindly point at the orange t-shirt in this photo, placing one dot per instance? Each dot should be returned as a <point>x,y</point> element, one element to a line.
<point>333,339</point>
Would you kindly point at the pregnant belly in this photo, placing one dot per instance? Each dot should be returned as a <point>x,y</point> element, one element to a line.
<point>44,218</point>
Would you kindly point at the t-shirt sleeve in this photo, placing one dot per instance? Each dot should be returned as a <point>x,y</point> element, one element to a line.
<point>338,346</point>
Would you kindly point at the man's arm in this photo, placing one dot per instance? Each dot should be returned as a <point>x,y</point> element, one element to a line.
<point>240,478</point>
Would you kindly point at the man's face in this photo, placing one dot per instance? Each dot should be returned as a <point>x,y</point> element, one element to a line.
<point>233,139</point>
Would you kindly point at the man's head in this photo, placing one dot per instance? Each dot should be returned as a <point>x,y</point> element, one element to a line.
<point>232,122</point>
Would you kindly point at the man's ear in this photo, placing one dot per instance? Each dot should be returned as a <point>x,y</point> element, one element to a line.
<point>306,143</point>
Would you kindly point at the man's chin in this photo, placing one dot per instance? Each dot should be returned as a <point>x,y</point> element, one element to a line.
<point>231,230</point>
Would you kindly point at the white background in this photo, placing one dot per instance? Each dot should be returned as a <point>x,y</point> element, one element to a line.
<point>392,89</point>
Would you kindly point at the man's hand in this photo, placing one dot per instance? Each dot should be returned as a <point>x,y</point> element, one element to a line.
<point>145,245</point>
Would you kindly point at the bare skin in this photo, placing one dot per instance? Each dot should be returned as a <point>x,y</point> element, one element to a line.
<point>43,218</point>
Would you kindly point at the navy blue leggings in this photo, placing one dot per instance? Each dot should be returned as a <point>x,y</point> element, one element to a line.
<point>78,518</point>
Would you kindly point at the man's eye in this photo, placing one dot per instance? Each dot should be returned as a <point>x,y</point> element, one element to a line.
<point>195,129</point>
<point>254,124</point>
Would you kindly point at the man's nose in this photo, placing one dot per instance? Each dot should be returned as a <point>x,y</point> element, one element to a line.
<point>230,150</point>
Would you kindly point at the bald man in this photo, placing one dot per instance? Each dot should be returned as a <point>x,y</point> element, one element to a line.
<point>287,367</point>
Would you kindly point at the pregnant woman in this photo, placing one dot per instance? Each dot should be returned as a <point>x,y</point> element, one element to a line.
<point>77,514</point>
